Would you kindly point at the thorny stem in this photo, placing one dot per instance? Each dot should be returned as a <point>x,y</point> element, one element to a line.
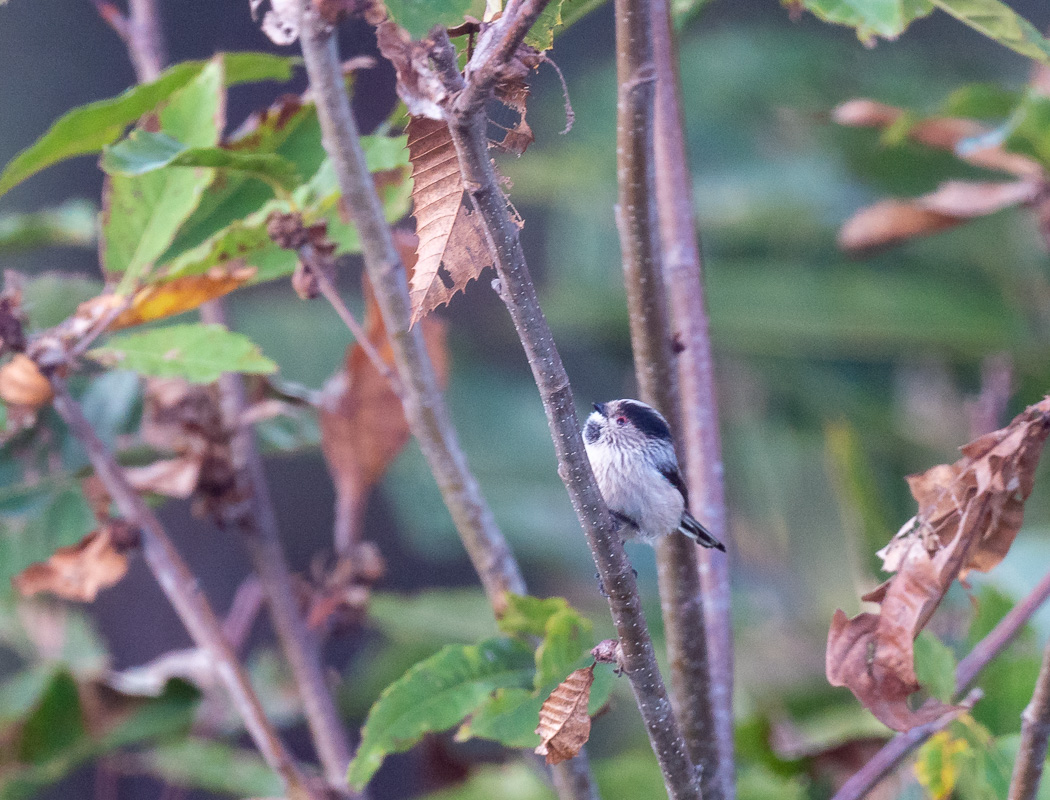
<point>677,568</point>
<point>183,592</point>
<point>424,406</point>
<point>260,533</point>
<point>467,123</point>
<point>1035,734</point>
<point>966,673</point>
<point>699,409</point>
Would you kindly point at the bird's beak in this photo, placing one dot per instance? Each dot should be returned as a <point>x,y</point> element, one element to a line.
<point>600,408</point>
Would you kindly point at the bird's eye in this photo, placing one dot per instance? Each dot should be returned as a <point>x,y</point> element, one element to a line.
<point>621,420</point>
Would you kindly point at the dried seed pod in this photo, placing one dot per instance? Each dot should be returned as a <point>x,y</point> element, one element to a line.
<point>22,383</point>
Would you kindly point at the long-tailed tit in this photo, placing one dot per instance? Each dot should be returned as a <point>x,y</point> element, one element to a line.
<point>632,455</point>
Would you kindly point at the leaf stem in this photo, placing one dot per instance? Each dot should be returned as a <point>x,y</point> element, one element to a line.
<point>422,400</point>
<point>257,525</point>
<point>681,597</point>
<point>467,123</point>
<point>966,673</point>
<point>183,592</point>
<point>702,453</point>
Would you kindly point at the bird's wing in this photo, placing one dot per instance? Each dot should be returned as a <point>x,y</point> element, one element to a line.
<point>674,477</point>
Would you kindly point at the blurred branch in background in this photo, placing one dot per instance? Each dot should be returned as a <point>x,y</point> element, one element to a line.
<point>652,341</point>
<point>1035,733</point>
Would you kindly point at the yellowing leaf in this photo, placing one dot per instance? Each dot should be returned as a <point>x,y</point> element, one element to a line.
<point>939,763</point>
<point>182,294</point>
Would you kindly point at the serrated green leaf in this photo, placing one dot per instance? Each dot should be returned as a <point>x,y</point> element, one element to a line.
<point>998,21</point>
<point>144,151</point>
<point>199,353</point>
<point>435,695</point>
<point>71,224</point>
<point>55,724</point>
<point>142,213</point>
<point>91,127</point>
<point>566,645</point>
<point>509,717</point>
<point>214,767</point>
<point>556,18</point>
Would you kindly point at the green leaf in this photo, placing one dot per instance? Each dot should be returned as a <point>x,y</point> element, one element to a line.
<point>71,224</point>
<point>1027,132</point>
<point>435,695</point>
<point>54,517</point>
<point>987,101</point>
<point>142,213</point>
<point>214,767</point>
<point>91,127</point>
<point>870,18</point>
<point>55,724</point>
<point>23,690</point>
<point>998,21</point>
<point>935,666</point>
<point>51,297</point>
<point>556,18</point>
<point>527,616</point>
<point>566,645</point>
<point>419,16</point>
<point>196,352</point>
<point>514,780</point>
<point>143,152</point>
<point>939,763</point>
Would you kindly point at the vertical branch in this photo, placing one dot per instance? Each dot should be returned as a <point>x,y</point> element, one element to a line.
<point>467,124</point>
<point>421,397</point>
<point>257,525</point>
<point>183,592</point>
<point>699,412</point>
<point>655,368</point>
<point>1035,733</point>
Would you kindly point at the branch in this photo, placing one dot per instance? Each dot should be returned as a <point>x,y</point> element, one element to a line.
<point>702,454</point>
<point>678,572</point>
<point>966,672</point>
<point>183,592</point>
<point>145,39</point>
<point>467,122</point>
<point>1035,734</point>
<point>256,522</point>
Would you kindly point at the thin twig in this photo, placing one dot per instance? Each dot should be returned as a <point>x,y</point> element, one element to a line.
<point>422,400</point>
<point>1035,733</point>
<point>677,570</point>
<point>259,531</point>
<point>145,39</point>
<point>966,673</point>
<point>702,453</point>
<point>183,592</point>
<point>467,123</point>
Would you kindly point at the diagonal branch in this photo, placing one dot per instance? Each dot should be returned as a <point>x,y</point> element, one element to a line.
<point>256,522</point>
<point>681,597</point>
<point>183,592</point>
<point>966,673</point>
<point>423,404</point>
<point>702,453</point>
<point>467,122</point>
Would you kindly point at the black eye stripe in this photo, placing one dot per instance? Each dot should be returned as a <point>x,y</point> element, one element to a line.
<point>647,420</point>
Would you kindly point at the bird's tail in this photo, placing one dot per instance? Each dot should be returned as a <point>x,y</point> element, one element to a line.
<point>698,533</point>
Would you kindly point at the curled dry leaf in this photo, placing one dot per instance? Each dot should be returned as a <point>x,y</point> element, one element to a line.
<point>363,427</point>
<point>565,724</point>
<point>23,384</point>
<point>969,514</point>
<point>892,222</point>
<point>512,91</point>
<point>452,246</point>
<point>172,297</point>
<point>171,477</point>
<point>80,571</point>
<point>417,83</point>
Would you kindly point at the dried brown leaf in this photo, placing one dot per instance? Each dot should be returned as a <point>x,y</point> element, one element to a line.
<point>363,427</point>
<point>417,83</point>
<point>969,514</point>
<point>172,477</point>
<point>894,221</point>
<point>23,384</point>
<point>452,246</point>
<point>513,91</point>
<point>565,724</point>
<point>80,571</point>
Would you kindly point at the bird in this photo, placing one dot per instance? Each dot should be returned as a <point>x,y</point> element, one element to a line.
<point>632,455</point>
